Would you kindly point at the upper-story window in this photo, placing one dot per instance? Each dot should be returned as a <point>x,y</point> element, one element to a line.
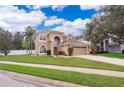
<point>107,42</point>
<point>43,37</point>
<point>102,43</point>
<point>56,41</point>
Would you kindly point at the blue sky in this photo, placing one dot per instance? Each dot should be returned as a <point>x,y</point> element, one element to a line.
<point>68,19</point>
<point>70,12</point>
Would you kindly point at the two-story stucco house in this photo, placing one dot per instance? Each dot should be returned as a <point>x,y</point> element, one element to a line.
<point>56,41</point>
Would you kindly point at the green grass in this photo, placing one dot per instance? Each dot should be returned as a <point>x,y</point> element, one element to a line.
<point>112,55</point>
<point>73,77</point>
<point>75,62</point>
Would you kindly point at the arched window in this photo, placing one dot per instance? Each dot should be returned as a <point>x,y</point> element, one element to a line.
<point>42,49</point>
<point>56,41</point>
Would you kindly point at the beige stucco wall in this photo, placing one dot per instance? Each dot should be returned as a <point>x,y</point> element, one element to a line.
<point>65,49</point>
<point>39,43</point>
<point>49,43</point>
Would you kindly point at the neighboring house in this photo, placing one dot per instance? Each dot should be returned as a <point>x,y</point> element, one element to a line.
<point>56,42</point>
<point>111,46</point>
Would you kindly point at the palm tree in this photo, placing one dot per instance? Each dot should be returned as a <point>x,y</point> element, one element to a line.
<point>29,34</point>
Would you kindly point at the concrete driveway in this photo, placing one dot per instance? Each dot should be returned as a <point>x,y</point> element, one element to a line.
<point>103,59</point>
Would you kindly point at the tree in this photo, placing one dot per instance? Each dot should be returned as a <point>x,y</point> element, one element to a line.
<point>29,39</point>
<point>5,41</point>
<point>115,22</point>
<point>108,23</point>
<point>95,31</point>
<point>93,49</point>
<point>17,41</point>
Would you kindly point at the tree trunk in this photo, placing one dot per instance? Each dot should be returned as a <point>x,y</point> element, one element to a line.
<point>5,52</point>
<point>27,48</point>
<point>31,47</point>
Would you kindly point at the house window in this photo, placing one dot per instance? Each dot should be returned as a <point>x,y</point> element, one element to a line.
<point>101,43</point>
<point>43,37</point>
<point>107,42</point>
<point>42,49</point>
<point>56,41</point>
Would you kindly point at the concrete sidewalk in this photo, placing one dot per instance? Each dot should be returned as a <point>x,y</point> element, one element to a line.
<point>76,69</point>
<point>103,59</point>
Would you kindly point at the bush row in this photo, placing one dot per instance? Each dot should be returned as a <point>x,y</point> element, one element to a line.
<point>70,52</point>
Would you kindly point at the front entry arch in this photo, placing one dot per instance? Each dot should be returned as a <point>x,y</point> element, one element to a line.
<point>57,41</point>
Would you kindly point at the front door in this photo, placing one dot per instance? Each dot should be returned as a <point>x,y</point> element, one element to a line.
<point>56,52</point>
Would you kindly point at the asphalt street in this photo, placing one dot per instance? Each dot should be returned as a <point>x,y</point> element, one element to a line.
<point>6,81</point>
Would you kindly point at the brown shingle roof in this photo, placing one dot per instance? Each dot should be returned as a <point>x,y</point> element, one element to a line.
<point>44,32</point>
<point>49,31</point>
<point>54,31</point>
<point>74,43</point>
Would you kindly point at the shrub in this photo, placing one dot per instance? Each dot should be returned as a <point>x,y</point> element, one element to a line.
<point>70,51</point>
<point>48,52</point>
<point>103,52</point>
<point>62,53</point>
<point>93,49</point>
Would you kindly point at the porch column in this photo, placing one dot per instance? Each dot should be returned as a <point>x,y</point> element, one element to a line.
<point>36,46</point>
<point>52,47</point>
<point>104,45</point>
<point>87,47</point>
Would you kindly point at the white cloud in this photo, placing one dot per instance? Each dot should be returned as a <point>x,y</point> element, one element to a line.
<point>54,7</point>
<point>58,7</point>
<point>35,7</point>
<point>73,27</point>
<point>53,17</point>
<point>14,19</point>
<point>67,30</point>
<point>77,23</point>
<point>54,21</point>
<point>87,7</point>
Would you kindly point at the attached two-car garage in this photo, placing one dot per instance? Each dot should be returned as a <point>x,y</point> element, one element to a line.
<point>76,50</point>
<point>79,50</point>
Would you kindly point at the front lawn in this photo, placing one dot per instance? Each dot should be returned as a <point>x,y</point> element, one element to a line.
<point>69,76</point>
<point>75,62</point>
<point>112,55</point>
